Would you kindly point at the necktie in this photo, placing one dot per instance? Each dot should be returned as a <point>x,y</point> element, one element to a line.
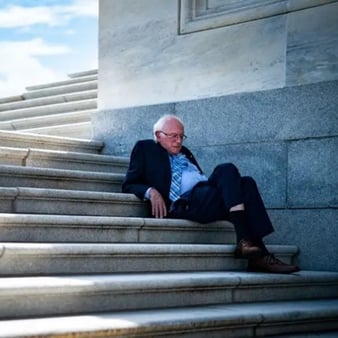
<point>178,163</point>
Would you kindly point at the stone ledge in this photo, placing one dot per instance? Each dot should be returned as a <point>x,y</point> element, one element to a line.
<point>73,80</point>
<point>29,259</point>
<point>244,320</point>
<point>25,140</point>
<point>76,161</point>
<point>50,109</point>
<point>62,89</point>
<point>14,98</point>
<point>82,130</point>
<point>83,74</point>
<point>36,296</point>
<point>70,202</point>
<point>100,229</point>
<point>40,259</point>
<point>47,178</point>
<point>48,100</point>
<point>47,120</point>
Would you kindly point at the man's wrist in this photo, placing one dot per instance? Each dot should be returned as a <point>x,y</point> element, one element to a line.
<point>147,194</point>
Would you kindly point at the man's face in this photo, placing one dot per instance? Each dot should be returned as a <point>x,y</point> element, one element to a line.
<point>171,136</point>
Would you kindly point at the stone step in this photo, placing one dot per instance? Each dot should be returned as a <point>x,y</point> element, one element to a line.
<point>13,98</point>
<point>27,140</point>
<point>47,120</point>
<point>74,84</point>
<point>72,294</point>
<point>49,259</point>
<point>70,202</point>
<point>62,89</point>
<point>50,109</point>
<point>81,129</point>
<point>30,259</point>
<point>217,321</point>
<point>46,178</point>
<point>317,334</point>
<point>72,80</point>
<point>83,73</point>
<point>77,161</point>
<point>8,108</point>
<point>31,157</point>
<point>99,229</point>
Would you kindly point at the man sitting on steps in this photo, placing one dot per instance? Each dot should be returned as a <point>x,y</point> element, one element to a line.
<point>166,173</point>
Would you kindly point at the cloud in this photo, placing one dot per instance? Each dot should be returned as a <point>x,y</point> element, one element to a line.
<point>36,46</point>
<point>19,16</point>
<point>85,8</point>
<point>20,65</point>
<point>24,63</point>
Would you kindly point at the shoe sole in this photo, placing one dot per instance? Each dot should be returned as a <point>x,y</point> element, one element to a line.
<point>254,254</point>
<point>268,271</point>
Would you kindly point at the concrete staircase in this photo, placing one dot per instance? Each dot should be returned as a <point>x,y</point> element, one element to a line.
<point>61,109</point>
<point>80,259</point>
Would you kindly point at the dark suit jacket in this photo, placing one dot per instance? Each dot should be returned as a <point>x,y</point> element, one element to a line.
<point>150,167</point>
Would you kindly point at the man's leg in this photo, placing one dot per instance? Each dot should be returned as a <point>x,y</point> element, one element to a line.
<point>243,201</point>
<point>202,204</point>
<point>247,211</point>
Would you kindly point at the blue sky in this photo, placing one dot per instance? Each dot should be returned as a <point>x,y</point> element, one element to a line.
<point>42,41</point>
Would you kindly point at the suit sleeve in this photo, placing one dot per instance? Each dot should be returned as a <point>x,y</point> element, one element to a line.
<point>134,182</point>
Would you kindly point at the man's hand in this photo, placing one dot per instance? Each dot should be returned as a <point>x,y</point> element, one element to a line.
<point>158,207</point>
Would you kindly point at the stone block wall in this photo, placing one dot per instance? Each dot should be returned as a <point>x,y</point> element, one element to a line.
<point>257,86</point>
<point>160,51</point>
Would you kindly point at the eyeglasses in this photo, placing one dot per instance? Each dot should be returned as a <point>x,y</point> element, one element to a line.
<point>174,136</point>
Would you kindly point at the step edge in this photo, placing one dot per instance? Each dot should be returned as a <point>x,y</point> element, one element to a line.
<point>161,321</point>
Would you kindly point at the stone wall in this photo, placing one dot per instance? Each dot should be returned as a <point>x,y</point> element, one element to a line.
<point>159,51</point>
<point>256,86</point>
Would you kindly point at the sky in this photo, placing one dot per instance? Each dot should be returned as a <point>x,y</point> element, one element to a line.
<point>43,41</point>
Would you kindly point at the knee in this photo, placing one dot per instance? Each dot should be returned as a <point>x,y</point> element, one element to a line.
<point>227,168</point>
<point>249,181</point>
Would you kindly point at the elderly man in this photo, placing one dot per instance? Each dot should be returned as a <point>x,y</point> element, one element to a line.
<point>166,173</point>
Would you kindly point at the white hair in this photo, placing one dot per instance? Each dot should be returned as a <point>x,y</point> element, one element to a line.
<point>158,126</point>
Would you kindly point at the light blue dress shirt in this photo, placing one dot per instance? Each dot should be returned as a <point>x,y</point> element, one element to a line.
<point>190,177</point>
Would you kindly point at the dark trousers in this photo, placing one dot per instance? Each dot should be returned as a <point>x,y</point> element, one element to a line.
<point>211,201</point>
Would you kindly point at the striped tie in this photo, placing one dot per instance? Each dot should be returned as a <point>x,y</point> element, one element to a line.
<point>177,163</point>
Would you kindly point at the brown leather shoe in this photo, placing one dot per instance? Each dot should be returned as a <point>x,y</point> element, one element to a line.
<point>270,263</point>
<point>246,249</point>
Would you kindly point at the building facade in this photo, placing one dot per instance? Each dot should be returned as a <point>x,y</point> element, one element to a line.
<point>256,83</point>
